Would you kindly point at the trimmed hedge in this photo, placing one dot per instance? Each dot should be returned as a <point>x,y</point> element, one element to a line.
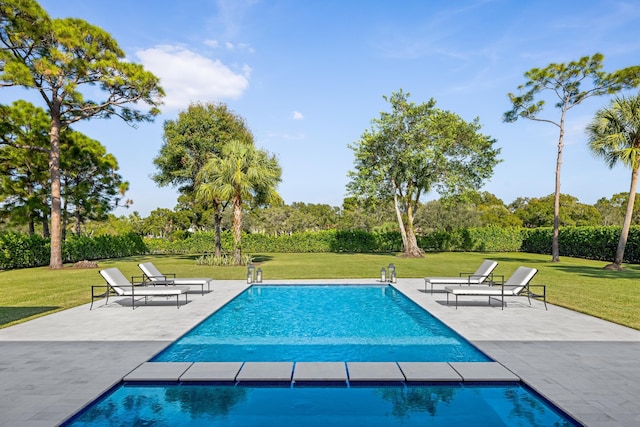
<point>23,251</point>
<point>597,243</point>
<point>490,239</point>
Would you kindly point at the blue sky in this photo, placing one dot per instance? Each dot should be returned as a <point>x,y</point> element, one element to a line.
<point>309,76</point>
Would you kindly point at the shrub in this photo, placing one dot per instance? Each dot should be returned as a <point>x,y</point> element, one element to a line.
<point>22,251</point>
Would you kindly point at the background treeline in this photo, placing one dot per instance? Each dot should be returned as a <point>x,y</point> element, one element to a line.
<point>474,210</point>
<point>475,222</point>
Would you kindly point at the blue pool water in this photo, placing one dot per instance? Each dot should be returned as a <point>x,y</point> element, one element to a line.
<point>324,324</point>
<point>202,405</point>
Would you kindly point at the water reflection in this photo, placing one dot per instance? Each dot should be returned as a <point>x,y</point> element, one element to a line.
<point>419,405</point>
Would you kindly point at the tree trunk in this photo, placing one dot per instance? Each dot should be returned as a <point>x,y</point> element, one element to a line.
<point>55,261</point>
<point>217,219</point>
<point>237,230</point>
<point>45,228</point>
<point>555,246</point>
<point>624,233</point>
<point>412,249</point>
<point>409,241</point>
<point>403,231</point>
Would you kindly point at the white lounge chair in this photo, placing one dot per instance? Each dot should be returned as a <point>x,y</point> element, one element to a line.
<point>119,285</point>
<point>517,285</point>
<point>155,277</point>
<point>484,272</point>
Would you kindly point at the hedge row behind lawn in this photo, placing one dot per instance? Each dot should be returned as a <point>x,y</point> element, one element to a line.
<point>597,243</point>
<point>23,251</point>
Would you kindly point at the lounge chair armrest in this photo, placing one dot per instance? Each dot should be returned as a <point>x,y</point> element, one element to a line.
<point>138,280</point>
<point>536,294</point>
<point>103,294</point>
<point>464,274</point>
<point>496,280</point>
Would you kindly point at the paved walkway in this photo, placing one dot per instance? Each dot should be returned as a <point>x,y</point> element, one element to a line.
<point>52,366</point>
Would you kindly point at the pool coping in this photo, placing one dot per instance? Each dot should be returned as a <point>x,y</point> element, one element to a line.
<point>347,372</point>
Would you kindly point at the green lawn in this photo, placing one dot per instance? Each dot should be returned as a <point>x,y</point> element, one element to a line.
<point>577,284</point>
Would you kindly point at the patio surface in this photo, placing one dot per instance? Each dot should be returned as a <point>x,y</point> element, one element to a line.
<point>52,366</point>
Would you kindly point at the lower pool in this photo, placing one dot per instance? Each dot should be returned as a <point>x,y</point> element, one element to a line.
<point>324,324</point>
<point>399,405</point>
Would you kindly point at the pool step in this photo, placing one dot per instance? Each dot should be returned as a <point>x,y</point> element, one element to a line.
<point>314,372</point>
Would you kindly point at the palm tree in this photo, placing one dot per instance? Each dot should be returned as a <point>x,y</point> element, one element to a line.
<point>245,176</point>
<point>614,135</point>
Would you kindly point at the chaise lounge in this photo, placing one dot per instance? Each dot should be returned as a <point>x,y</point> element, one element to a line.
<point>155,277</point>
<point>118,284</point>
<point>517,285</point>
<point>484,272</point>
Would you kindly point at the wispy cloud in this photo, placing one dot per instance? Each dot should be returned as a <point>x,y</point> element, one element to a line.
<point>297,115</point>
<point>188,76</point>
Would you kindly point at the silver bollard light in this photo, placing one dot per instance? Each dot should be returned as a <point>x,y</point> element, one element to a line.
<point>259,275</point>
<point>250,271</point>
<point>383,275</point>
<point>392,270</point>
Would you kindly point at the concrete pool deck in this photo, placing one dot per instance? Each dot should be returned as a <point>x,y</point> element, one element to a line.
<point>52,366</point>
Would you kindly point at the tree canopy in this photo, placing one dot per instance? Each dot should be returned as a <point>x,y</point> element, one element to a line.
<point>416,149</point>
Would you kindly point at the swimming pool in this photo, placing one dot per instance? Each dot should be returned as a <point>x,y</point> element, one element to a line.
<point>443,405</point>
<point>321,323</point>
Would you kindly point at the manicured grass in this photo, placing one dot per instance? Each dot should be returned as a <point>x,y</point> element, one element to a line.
<point>577,284</point>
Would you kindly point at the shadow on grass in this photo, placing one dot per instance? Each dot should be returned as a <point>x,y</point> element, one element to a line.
<point>526,261</point>
<point>262,258</point>
<point>593,271</point>
<point>11,314</point>
<point>597,272</point>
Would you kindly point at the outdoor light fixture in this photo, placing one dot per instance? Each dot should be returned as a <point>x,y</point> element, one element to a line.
<point>393,276</point>
<point>383,275</point>
<point>250,270</point>
<point>259,275</point>
<point>392,271</point>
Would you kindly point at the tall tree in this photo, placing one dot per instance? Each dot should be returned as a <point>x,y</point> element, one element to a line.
<point>243,175</point>
<point>614,135</point>
<point>65,60</point>
<point>195,137</point>
<point>564,81</point>
<point>415,149</point>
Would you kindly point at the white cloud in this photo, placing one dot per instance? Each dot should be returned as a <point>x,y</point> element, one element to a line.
<point>212,43</point>
<point>297,115</point>
<point>187,76</point>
